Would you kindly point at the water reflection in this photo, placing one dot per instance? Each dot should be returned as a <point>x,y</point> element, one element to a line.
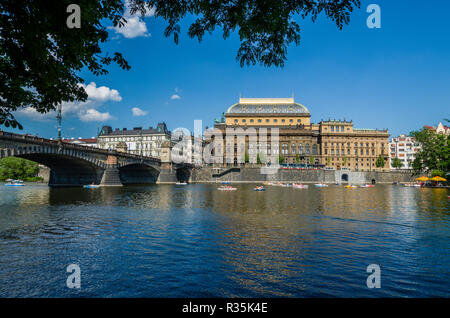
<point>169,241</point>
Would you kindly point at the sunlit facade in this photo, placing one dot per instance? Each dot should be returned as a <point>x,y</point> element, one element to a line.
<point>335,144</point>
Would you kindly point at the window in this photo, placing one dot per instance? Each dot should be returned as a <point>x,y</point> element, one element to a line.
<point>332,128</point>
<point>251,120</point>
<point>299,121</point>
<point>293,149</point>
<point>259,120</point>
<point>283,120</point>
<point>275,120</point>
<point>284,149</point>
<point>267,120</point>
<point>342,128</point>
<point>235,121</point>
<point>243,120</point>
<point>291,120</point>
<point>300,149</point>
<point>314,149</point>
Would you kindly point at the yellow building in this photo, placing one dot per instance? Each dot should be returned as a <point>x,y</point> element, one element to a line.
<point>332,143</point>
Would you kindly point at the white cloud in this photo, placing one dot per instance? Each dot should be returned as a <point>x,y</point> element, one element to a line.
<point>85,111</point>
<point>175,96</point>
<point>94,115</point>
<point>135,26</point>
<point>138,112</point>
<point>102,93</point>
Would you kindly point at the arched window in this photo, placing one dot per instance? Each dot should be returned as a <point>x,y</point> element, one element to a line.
<point>300,149</point>
<point>293,148</point>
<point>314,149</point>
<point>308,151</point>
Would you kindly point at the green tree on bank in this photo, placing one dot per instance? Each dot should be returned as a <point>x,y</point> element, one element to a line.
<point>380,162</point>
<point>434,155</point>
<point>41,57</point>
<point>397,163</point>
<point>18,168</point>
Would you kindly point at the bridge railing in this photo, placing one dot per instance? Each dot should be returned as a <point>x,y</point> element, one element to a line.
<point>48,142</point>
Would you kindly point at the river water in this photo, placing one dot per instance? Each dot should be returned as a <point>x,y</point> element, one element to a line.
<point>195,241</point>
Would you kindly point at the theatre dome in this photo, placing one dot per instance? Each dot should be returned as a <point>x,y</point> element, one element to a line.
<point>267,106</point>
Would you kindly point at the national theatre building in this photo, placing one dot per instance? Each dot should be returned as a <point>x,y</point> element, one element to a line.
<point>331,143</point>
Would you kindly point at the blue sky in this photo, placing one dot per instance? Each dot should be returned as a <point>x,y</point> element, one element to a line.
<point>396,77</point>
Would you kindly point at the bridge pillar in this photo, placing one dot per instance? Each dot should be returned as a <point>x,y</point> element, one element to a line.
<point>111,176</point>
<point>167,174</point>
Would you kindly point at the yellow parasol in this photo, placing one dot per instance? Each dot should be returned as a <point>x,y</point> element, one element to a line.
<point>437,178</point>
<point>423,178</point>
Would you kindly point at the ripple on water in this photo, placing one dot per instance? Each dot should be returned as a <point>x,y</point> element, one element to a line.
<point>194,241</point>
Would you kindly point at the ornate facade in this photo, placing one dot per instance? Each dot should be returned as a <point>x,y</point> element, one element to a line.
<point>335,144</point>
<point>146,142</point>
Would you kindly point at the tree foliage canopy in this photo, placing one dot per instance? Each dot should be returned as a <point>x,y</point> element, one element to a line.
<point>40,57</point>
<point>18,168</point>
<point>380,162</point>
<point>397,163</point>
<point>434,153</point>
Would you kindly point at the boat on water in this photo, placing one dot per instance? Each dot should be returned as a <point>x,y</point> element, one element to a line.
<point>181,183</point>
<point>14,183</point>
<point>91,186</point>
<point>350,187</point>
<point>259,188</point>
<point>367,186</point>
<point>226,188</point>
<point>300,186</point>
<point>321,185</point>
<point>226,182</point>
<point>412,185</point>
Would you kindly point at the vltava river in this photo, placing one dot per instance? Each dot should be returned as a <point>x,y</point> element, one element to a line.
<point>195,241</point>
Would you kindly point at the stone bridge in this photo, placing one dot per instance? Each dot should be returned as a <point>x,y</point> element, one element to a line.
<point>76,165</point>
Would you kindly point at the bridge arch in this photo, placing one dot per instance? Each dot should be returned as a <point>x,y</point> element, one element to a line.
<point>138,173</point>
<point>66,170</point>
<point>183,174</point>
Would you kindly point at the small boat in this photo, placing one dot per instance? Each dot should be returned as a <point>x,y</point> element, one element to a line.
<point>226,182</point>
<point>261,188</point>
<point>411,185</point>
<point>367,186</point>
<point>300,186</point>
<point>350,187</point>
<point>321,185</point>
<point>91,186</point>
<point>181,183</point>
<point>15,183</point>
<point>226,188</point>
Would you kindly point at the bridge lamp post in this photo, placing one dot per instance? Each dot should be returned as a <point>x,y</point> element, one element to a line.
<point>59,118</point>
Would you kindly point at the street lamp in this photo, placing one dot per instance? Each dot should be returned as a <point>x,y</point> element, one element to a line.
<point>59,118</point>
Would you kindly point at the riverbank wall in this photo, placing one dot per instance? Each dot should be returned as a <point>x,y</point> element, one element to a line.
<point>255,175</point>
